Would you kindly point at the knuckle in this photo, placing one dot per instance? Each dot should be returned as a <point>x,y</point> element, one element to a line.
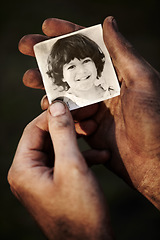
<point>12,178</point>
<point>9,177</point>
<point>14,182</point>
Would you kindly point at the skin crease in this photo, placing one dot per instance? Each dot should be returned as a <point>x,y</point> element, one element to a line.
<point>127,125</point>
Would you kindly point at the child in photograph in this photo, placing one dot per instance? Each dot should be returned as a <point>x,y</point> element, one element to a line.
<point>75,65</point>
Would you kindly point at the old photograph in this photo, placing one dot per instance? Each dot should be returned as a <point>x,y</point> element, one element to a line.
<point>77,68</point>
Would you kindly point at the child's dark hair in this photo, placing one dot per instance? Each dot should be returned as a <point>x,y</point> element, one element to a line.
<point>66,49</point>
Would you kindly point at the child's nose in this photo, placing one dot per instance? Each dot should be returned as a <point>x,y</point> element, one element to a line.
<point>81,71</point>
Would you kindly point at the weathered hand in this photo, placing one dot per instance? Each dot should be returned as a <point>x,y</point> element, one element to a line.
<point>129,125</point>
<point>65,200</point>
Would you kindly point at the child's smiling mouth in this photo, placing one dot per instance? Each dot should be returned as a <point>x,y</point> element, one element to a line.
<point>83,78</point>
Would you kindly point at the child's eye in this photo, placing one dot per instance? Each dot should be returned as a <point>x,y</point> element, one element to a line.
<point>87,60</point>
<point>71,67</point>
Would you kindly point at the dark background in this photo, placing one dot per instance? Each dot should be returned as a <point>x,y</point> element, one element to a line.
<point>133,217</point>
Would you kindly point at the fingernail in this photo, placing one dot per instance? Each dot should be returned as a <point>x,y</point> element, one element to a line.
<point>57,109</point>
<point>114,23</point>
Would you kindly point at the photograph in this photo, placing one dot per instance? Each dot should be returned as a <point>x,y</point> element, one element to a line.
<point>76,68</point>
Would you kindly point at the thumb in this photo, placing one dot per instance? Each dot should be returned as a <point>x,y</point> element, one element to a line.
<point>61,128</point>
<point>121,51</point>
<point>129,64</point>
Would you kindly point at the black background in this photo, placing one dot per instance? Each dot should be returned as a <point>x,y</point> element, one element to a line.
<point>133,217</point>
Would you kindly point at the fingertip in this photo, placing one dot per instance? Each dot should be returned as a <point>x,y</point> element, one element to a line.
<point>44,103</point>
<point>110,32</point>
<point>96,157</point>
<point>27,42</point>
<point>105,156</point>
<point>54,27</point>
<point>19,44</point>
<point>86,128</point>
<point>32,78</point>
<point>24,47</point>
<point>110,22</point>
<point>108,19</point>
<point>85,112</point>
<point>60,119</point>
<point>57,109</point>
<point>46,24</point>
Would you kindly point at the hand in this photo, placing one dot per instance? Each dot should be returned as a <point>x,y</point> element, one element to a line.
<point>65,200</point>
<point>128,124</point>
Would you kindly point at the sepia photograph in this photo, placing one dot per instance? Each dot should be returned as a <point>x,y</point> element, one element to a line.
<point>77,68</point>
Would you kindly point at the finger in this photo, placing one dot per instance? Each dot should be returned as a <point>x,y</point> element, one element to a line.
<point>53,27</point>
<point>44,103</point>
<point>95,157</point>
<point>30,153</point>
<point>78,114</point>
<point>33,137</point>
<point>82,127</point>
<point>85,112</point>
<point>32,78</point>
<point>119,48</point>
<point>129,64</point>
<point>86,128</point>
<point>27,42</point>
<point>61,128</point>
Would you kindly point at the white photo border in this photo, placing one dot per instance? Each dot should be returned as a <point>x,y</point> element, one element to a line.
<point>42,51</point>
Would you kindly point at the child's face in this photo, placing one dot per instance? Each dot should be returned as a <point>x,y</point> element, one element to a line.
<point>80,74</point>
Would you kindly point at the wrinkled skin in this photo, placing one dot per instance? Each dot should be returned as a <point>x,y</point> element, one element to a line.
<point>128,125</point>
<point>65,200</point>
